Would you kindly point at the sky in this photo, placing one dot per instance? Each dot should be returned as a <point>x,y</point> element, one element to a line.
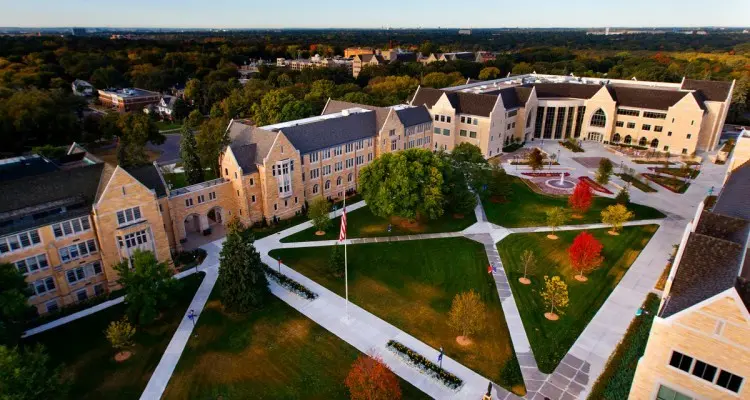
<point>373,13</point>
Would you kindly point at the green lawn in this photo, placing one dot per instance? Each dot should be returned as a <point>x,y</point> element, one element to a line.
<point>362,223</point>
<point>674,184</point>
<point>524,207</point>
<point>89,359</point>
<point>550,340</point>
<point>412,285</point>
<point>273,353</point>
<point>168,125</point>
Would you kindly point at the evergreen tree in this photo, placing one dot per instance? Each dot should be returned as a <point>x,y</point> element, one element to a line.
<point>242,281</point>
<point>191,163</point>
<point>336,262</point>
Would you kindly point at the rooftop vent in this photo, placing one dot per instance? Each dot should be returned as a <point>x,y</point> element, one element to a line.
<point>345,113</point>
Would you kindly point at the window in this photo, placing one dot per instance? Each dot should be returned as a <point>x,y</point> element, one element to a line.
<point>75,275</point>
<point>188,202</point>
<point>252,182</point>
<point>437,118</point>
<point>729,381</point>
<point>704,371</point>
<point>235,174</point>
<point>475,121</point>
<point>446,132</point>
<point>512,113</point>
<point>338,181</point>
<point>436,131</point>
<point>326,170</point>
<point>654,115</point>
<point>599,119</point>
<point>669,133</point>
<point>314,173</point>
<point>684,151</point>
<point>442,118</point>
<point>78,250</point>
<point>349,162</point>
<point>42,286</point>
<point>642,142</point>
<point>448,119</point>
<point>624,111</point>
<point>619,124</point>
<point>666,148</point>
<point>338,166</point>
<point>326,154</point>
<point>681,361</point>
<point>463,120</point>
<point>275,206</point>
<point>646,127</point>
<point>212,195</point>
<point>655,143</point>
<point>338,150</point>
<point>52,306</point>
<point>201,198</point>
<point>658,128</point>
<point>328,185</point>
<point>394,145</point>
<point>314,156</point>
<point>508,127</point>
<point>392,132</point>
<point>81,295</point>
<point>252,198</point>
<point>472,134</point>
<point>616,137</point>
<point>135,238</point>
<point>71,227</point>
<point>349,177</point>
<point>132,214</point>
<point>462,132</point>
<point>349,147</point>
<point>99,289</point>
<point>32,264</point>
<point>19,240</point>
<point>360,160</point>
<point>689,136</point>
<point>226,171</point>
<point>369,157</point>
<point>315,189</point>
<point>666,393</point>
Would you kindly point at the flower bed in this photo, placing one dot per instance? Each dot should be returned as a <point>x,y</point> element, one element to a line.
<point>672,184</point>
<point>513,147</point>
<point>425,365</point>
<point>290,284</point>
<point>544,174</point>
<point>574,147</point>
<point>642,186</point>
<point>594,185</point>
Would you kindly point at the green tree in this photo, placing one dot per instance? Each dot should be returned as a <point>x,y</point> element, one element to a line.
<point>27,374</point>
<point>623,196</point>
<point>211,140</point>
<point>136,129</point>
<point>489,73</point>
<point>405,184</point>
<point>535,159</point>
<point>13,303</point>
<point>120,334</point>
<point>440,80</point>
<point>604,172</point>
<point>336,261</point>
<point>294,110</point>
<point>271,107</point>
<point>191,162</point>
<point>458,198</point>
<point>242,282</point>
<point>556,217</point>
<point>148,285</point>
<point>467,152</point>
<point>180,110</point>
<point>318,213</point>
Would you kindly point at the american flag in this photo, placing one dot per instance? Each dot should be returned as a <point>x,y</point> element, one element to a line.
<point>342,234</point>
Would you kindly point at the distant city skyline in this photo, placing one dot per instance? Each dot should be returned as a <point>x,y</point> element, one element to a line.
<point>235,14</point>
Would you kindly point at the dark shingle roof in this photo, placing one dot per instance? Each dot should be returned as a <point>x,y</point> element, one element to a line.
<point>523,94</point>
<point>734,199</point>
<point>426,96</point>
<point>26,166</point>
<point>565,90</point>
<point>723,227</point>
<point>405,57</point>
<point>708,267</point>
<point>335,106</point>
<point>149,177</point>
<point>655,99</point>
<point>246,156</point>
<point>711,90</point>
<point>331,132</point>
<point>472,103</point>
<point>510,98</point>
<point>414,116</point>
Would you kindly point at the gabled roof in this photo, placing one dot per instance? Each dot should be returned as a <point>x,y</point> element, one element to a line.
<point>368,57</point>
<point>149,176</point>
<point>336,106</point>
<point>655,99</point>
<point>404,57</point>
<point>565,90</point>
<point>241,133</point>
<point>712,90</point>
<point>734,199</point>
<point>510,98</point>
<point>413,116</point>
<point>523,94</point>
<point>472,103</point>
<point>307,137</point>
<point>245,154</point>
<point>426,96</point>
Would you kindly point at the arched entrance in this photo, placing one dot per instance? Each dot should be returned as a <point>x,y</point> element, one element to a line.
<point>215,216</point>
<point>628,139</point>
<point>655,143</point>
<point>616,138</point>
<point>192,224</point>
<point>642,142</point>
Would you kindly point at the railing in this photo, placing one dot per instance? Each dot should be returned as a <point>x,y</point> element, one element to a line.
<point>197,187</point>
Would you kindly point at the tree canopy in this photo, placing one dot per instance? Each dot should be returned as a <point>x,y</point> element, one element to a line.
<point>242,282</point>
<point>148,285</point>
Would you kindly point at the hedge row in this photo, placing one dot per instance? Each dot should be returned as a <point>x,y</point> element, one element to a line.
<point>429,367</point>
<point>290,283</point>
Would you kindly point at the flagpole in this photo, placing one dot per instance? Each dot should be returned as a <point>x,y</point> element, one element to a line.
<point>346,269</point>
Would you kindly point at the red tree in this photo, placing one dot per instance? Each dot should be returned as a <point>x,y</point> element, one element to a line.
<point>585,254</point>
<point>580,200</point>
<point>370,379</point>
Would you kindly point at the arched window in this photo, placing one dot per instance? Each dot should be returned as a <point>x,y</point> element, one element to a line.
<point>628,139</point>
<point>642,142</point>
<point>616,138</point>
<point>315,188</point>
<point>338,181</point>
<point>655,143</point>
<point>349,178</point>
<point>328,185</point>
<point>599,119</point>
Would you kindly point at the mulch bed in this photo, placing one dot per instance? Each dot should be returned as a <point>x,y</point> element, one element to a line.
<point>544,174</point>
<point>659,181</point>
<point>594,185</point>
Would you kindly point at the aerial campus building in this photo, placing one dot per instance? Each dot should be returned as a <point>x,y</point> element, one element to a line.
<point>65,223</point>
<point>677,118</point>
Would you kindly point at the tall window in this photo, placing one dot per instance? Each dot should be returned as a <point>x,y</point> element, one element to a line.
<point>560,122</point>
<point>579,120</point>
<point>71,227</point>
<point>569,121</point>
<point>129,215</point>
<point>76,251</point>
<point>539,122</point>
<point>599,119</point>
<point>549,120</point>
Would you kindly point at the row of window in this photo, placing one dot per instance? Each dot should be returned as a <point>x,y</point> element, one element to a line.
<point>42,286</point>
<point>645,127</point>
<point>415,143</point>
<point>71,227</point>
<point>133,239</point>
<point>416,129</point>
<point>446,132</point>
<point>19,241</point>
<point>78,250</point>
<point>32,264</point>
<point>327,185</point>
<point>339,166</point>
<point>339,150</point>
<point>511,113</point>
<point>282,168</point>
<point>468,120</point>
<point>442,118</point>
<point>625,111</point>
<point>128,216</point>
<point>75,275</point>
<point>472,134</point>
<point>201,198</point>
<point>81,295</point>
<point>707,372</point>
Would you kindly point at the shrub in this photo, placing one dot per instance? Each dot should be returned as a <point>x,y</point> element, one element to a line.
<point>604,171</point>
<point>289,283</point>
<point>318,213</point>
<point>429,367</point>
<point>120,334</point>
<point>623,196</point>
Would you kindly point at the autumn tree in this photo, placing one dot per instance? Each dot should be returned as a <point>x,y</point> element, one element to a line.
<point>528,263</point>
<point>581,199</point>
<point>370,379</point>
<point>242,281</point>
<point>556,217</point>
<point>406,184</point>
<point>489,73</point>
<point>555,296</point>
<point>318,213</point>
<point>585,254</point>
<point>604,172</point>
<point>120,335</point>
<point>616,215</point>
<point>467,315</point>
<point>536,158</point>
